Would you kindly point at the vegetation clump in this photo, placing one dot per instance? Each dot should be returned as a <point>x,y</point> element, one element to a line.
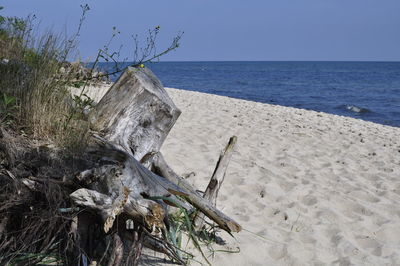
<point>32,87</point>
<point>44,133</point>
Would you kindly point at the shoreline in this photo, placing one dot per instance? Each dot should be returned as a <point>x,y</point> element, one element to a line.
<point>97,92</point>
<point>282,106</point>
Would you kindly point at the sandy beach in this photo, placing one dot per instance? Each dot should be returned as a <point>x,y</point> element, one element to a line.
<point>100,164</point>
<point>308,188</point>
<point>320,189</point>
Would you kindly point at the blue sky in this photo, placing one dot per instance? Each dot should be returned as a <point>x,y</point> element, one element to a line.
<point>233,29</point>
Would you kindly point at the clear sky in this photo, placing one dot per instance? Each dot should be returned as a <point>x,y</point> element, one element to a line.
<point>233,29</point>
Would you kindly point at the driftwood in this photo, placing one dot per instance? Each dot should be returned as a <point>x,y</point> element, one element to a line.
<point>124,185</point>
<point>205,206</point>
<point>136,113</point>
<point>130,178</point>
<point>217,178</point>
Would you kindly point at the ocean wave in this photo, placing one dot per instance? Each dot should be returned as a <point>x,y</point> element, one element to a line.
<point>356,109</point>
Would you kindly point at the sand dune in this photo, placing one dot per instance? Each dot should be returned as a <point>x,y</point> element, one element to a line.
<point>320,189</point>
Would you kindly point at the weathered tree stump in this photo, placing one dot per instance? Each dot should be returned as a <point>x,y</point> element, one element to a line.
<point>130,123</point>
<point>136,113</point>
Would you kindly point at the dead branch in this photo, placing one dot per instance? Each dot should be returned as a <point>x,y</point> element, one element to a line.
<point>217,178</point>
<point>193,197</point>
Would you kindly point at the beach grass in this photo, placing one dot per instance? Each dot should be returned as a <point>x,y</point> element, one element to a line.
<point>30,68</point>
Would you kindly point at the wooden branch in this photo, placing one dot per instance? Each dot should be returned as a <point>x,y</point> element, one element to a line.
<point>161,246</point>
<point>217,178</point>
<point>141,182</point>
<point>3,224</point>
<point>160,166</point>
<point>94,200</point>
<point>32,185</point>
<point>135,249</point>
<point>194,198</point>
<point>117,251</point>
<point>124,185</point>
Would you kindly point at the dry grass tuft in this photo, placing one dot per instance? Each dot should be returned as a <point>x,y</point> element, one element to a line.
<point>30,70</point>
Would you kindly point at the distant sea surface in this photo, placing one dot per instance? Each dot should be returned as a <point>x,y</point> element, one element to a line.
<point>363,90</point>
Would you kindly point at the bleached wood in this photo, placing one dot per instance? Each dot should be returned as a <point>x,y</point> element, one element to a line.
<point>136,113</point>
<point>124,185</point>
<point>217,178</point>
<point>194,198</point>
<point>130,123</point>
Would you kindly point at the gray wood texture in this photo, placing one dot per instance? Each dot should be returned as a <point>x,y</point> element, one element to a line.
<point>136,113</point>
<point>194,198</point>
<point>130,123</point>
<point>217,178</point>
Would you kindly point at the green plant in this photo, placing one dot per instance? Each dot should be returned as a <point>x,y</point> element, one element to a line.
<point>1,17</point>
<point>78,84</point>
<point>82,103</point>
<point>7,107</point>
<point>181,223</point>
<point>39,259</point>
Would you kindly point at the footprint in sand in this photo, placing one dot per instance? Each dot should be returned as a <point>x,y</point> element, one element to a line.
<point>277,252</point>
<point>286,186</point>
<point>370,244</point>
<point>390,234</point>
<point>242,217</point>
<point>360,209</point>
<point>222,198</point>
<point>307,239</point>
<point>309,200</point>
<point>364,195</point>
<point>335,239</point>
<point>236,179</point>
<point>327,214</point>
<point>397,190</point>
<point>345,261</point>
<point>259,206</point>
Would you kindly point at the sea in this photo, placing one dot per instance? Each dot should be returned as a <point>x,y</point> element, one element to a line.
<point>364,90</point>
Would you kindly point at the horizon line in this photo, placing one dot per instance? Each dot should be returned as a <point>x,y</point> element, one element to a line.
<point>395,61</point>
<point>343,61</point>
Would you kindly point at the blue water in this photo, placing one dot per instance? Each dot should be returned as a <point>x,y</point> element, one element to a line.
<point>363,90</point>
